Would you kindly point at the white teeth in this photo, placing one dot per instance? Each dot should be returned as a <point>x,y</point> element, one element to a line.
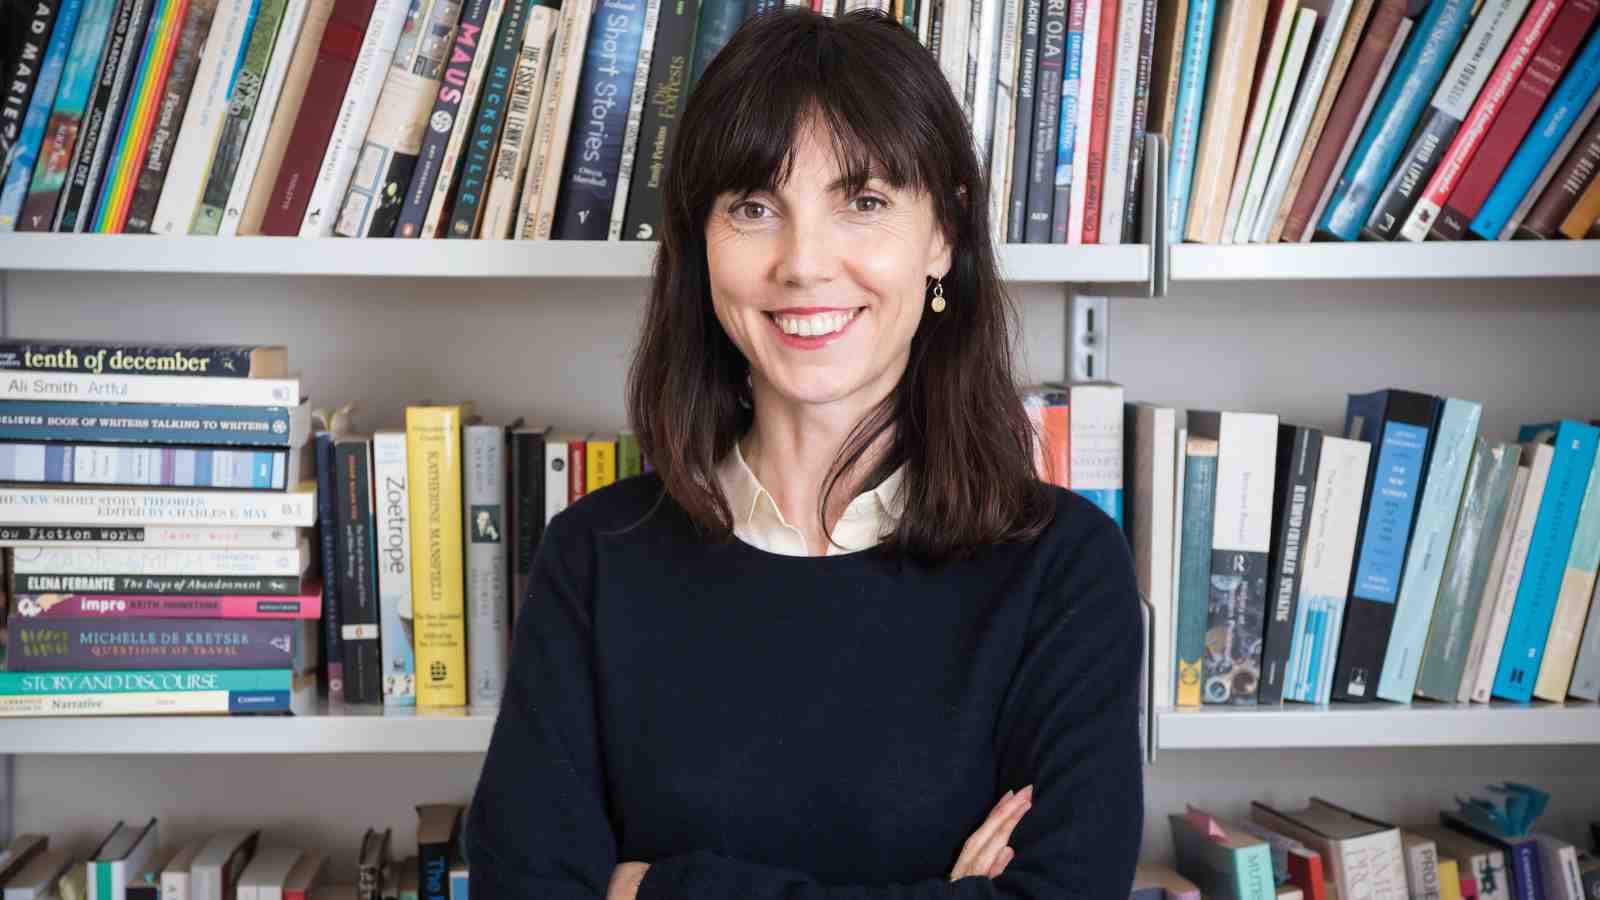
<point>815,325</point>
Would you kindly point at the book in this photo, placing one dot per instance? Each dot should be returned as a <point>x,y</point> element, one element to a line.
<point>167,424</point>
<point>37,879</point>
<point>516,139</point>
<point>268,872</point>
<point>1521,856</point>
<point>1238,42</point>
<point>438,827</point>
<point>1435,524</point>
<point>1096,444</point>
<point>434,464</point>
<point>1052,96</point>
<point>1305,23</point>
<point>667,89</point>
<point>541,188</point>
<point>132,561</point>
<point>215,871</point>
<point>1119,110</point>
<point>1572,598</point>
<point>89,645</point>
<point>1558,868</point>
<point>20,506</point>
<point>484,496</point>
<point>1537,456</point>
<point>1362,855</point>
<point>1545,217</point>
<point>359,629</point>
<point>173,107</point>
<point>1582,222</point>
<point>370,865</point>
<point>328,538</point>
<point>484,138</point>
<point>1299,450</point>
<point>275,77</point>
<point>116,358</point>
<point>1422,864</point>
<point>1194,580</point>
<point>1151,432</point>
<point>1221,859</point>
<point>23,76</point>
<point>263,180</point>
<point>194,538</point>
<point>32,463</point>
<point>392,504</point>
<point>166,389</point>
<point>152,692</point>
<point>1586,671</point>
<point>309,872</point>
<point>526,508</point>
<point>1281,16</point>
<point>1093,112</point>
<point>1401,427</point>
<point>120,857</point>
<point>1489,592</point>
<point>24,152</point>
<point>1329,551</point>
<point>1003,140</point>
<point>1188,112</point>
<point>97,131</point>
<point>446,186</point>
<point>175,875</point>
<point>144,883</point>
<point>145,606</point>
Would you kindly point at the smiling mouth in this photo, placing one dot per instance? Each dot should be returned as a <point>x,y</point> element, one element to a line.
<point>815,325</point>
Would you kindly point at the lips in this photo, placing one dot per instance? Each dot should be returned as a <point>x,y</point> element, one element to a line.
<point>813,327</point>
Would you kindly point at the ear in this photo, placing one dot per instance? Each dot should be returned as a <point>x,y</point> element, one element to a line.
<point>940,254</point>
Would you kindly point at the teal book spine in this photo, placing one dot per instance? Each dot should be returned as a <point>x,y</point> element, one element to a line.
<point>1194,577</point>
<point>1191,105</point>
<point>169,681</point>
<point>1575,445</point>
<point>1253,872</point>
<point>1436,521</point>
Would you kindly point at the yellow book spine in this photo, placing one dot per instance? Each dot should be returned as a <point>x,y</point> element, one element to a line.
<point>1449,880</point>
<point>433,463</point>
<point>601,468</point>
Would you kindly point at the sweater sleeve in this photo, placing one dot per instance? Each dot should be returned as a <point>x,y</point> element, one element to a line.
<point>1068,725</point>
<point>538,828</point>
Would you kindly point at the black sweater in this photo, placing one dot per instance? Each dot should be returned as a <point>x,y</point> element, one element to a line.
<point>757,726</point>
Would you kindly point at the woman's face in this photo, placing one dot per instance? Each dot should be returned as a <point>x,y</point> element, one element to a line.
<point>822,290</point>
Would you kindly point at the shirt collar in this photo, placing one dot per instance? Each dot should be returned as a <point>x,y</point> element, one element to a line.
<point>744,491</point>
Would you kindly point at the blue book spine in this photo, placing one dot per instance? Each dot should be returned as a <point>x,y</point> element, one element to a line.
<point>1399,471</point>
<point>594,146</point>
<point>1436,520</point>
<point>718,21</point>
<point>1574,91</point>
<point>1402,103</point>
<point>1190,106</point>
<point>258,701</point>
<point>122,423</point>
<point>1194,579</point>
<point>1575,446</point>
<point>1071,91</point>
<point>25,152</point>
<point>142,466</point>
<point>66,118</point>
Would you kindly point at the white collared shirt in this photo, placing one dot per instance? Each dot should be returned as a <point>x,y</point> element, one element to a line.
<point>757,521</point>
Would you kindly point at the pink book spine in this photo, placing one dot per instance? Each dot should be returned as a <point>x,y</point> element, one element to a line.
<point>139,606</point>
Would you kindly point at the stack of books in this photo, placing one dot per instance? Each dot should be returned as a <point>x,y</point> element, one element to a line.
<point>156,515</point>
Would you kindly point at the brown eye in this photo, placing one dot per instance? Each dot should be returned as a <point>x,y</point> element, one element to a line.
<point>867,203</point>
<point>749,209</point>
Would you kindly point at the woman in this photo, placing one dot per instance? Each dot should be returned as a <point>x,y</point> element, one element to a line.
<point>814,652</point>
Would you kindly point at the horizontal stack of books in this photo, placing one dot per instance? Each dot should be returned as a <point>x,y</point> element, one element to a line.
<point>156,511</point>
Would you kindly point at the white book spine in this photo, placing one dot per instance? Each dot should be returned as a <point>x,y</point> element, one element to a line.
<point>985,56</point>
<point>1491,585</point>
<point>152,537</point>
<point>294,19</point>
<point>1247,450</point>
<point>131,561</point>
<point>1305,108</point>
<point>542,184</point>
<point>1002,142</point>
<point>247,892</point>
<point>1329,553</point>
<point>555,478</point>
<point>484,471</point>
<point>391,502</point>
<point>465,118</point>
<point>174,883</point>
<point>171,389</point>
<point>1572,602</point>
<point>630,135</point>
<point>202,119</point>
<point>1163,479</point>
<point>527,90</point>
<point>1356,129</point>
<point>1119,125</point>
<point>1422,870</point>
<point>953,45</point>
<point>1275,50</point>
<point>1095,443</point>
<point>355,113</point>
<point>1516,556</point>
<point>1536,190</point>
<point>1080,137</point>
<point>75,506</point>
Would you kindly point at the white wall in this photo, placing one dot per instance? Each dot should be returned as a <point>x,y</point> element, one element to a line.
<point>555,352</point>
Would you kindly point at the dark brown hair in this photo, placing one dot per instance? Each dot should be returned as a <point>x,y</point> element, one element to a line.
<point>956,417</point>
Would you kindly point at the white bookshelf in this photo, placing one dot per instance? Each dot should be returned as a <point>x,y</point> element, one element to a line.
<point>1300,727</point>
<point>1436,261</point>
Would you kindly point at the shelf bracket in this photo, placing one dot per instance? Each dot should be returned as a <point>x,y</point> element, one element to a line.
<point>1088,337</point>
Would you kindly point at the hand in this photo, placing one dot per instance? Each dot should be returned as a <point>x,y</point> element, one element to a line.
<point>625,881</point>
<point>986,853</point>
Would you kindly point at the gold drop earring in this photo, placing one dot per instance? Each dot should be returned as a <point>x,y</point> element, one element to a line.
<point>938,296</point>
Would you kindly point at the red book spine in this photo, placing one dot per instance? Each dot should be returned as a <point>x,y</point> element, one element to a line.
<point>1105,66</point>
<point>1537,82</point>
<point>336,60</point>
<point>1305,872</point>
<point>577,474</point>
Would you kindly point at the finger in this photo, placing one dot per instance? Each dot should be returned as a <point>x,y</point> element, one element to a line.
<point>996,819</point>
<point>1002,836</point>
<point>1005,858</point>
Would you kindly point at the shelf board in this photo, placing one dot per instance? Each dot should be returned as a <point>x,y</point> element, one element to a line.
<point>342,730</point>
<point>1124,264</point>
<point>1399,261</point>
<point>1295,726</point>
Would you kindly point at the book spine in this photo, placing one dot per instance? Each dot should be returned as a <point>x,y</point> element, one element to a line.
<point>1522,104</point>
<point>1294,510</point>
<point>630,136</point>
<point>536,210</point>
<point>1097,447</point>
<point>1564,118</point>
<point>1096,62</point>
<point>1420,67</point>
<point>243,98</point>
<point>132,136</point>
<point>1572,598</point>
<point>1435,522</point>
<point>38,212</point>
<point>253,150</point>
<point>1023,122</point>
<point>1360,124</point>
<point>1584,220</point>
<point>1215,160</point>
<point>488,650</point>
<point>1329,547</point>
<point>1133,188</point>
<point>345,138</point>
<point>95,358</point>
<point>24,76</point>
<point>18,167</point>
<point>1122,87</point>
<point>1586,670</point>
<point>670,62</point>
<point>447,187</point>
<point>170,424</point>
<point>1279,22</point>
<point>1488,594</point>
<point>196,141</point>
<point>1515,559</point>
<point>155,536</point>
<point>1546,562</point>
<point>428,168</point>
<point>90,645</point>
<point>98,132</point>
<point>1240,539</point>
<point>1064,128</point>
<point>1456,98</point>
<point>291,97</point>
<point>328,544</point>
<point>358,595</point>
<point>153,389</point>
<point>154,584</point>
<point>594,144</point>
<point>1272,129</point>
<point>486,139</point>
<point>19,685</point>
<point>392,502</point>
<point>718,21</point>
<point>1172,18</point>
<point>527,504</point>
<point>151,176</point>
<point>1002,140</point>
<point>61,463</point>
<point>48,607</point>
<point>147,703</point>
<point>1187,114</point>
<point>120,506</point>
<point>1199,501</point>
<point>1561,197</point>
<point>556,494</point>
<point>1049,92</point>
<point>982,59</point>
<point>433,462</point>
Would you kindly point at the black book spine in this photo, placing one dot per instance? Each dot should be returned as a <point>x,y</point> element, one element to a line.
<point>358,594</point>
<point>485,135</point>
<point>446,105</point>
<point>328,530</point>
<point>1022,138</point>
<point>1299,453</point>
<point>103,115</point>
<point>1047,113</point>
<point>117,358</point>
<point>24,75</point>
<point>433,871</point>
<point>165,585</point>
<point>527,486</point>
<point>667,90</point>
<point>1409,178</point>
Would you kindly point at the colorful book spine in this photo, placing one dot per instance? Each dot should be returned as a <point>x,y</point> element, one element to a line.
<point>139,117</point>
<point>1572,598</point>
<point>1293,508</point>
<point>151,692</point>
<point>1122,84</point>
<point>1097,61</point>
<point>484,447</point>
<point>67,645</point>
<point>328,544</point>
<point>1330,542</point>
<point>243,99</point>
<point>63,463</point>
<point>97,133</point>
<point>52,582</point>
<point>274,80</point>
<point>630,136</point>
<point>1436,522</point>
<point>47,607</point>
<point>447,187</point>
<point>1055,90</point>
<point>1575,446</point>
<point>1569,111</point>
<point>358,583</point>
<point>1239,42</point>
<point>433,461</point>
<point>1509,563</point>
<point>1418,70</point>
<point>594,144</point>
<point>24,153</point>
<point>431,160</point>
<point>477,171</point>
<point>118,423</point>
<point>120,358</point>
<point>1194,577</point>
<point>1133,188</point>
<point>1187,115</point>
<point>667,90</point>
<point>1489,594</point>
<point>1303,24</point>
<point>24,76</point>
<point>150,172</point>
<point>392,503</point>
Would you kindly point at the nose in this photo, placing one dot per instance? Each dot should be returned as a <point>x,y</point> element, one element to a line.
<point>810,253</point>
